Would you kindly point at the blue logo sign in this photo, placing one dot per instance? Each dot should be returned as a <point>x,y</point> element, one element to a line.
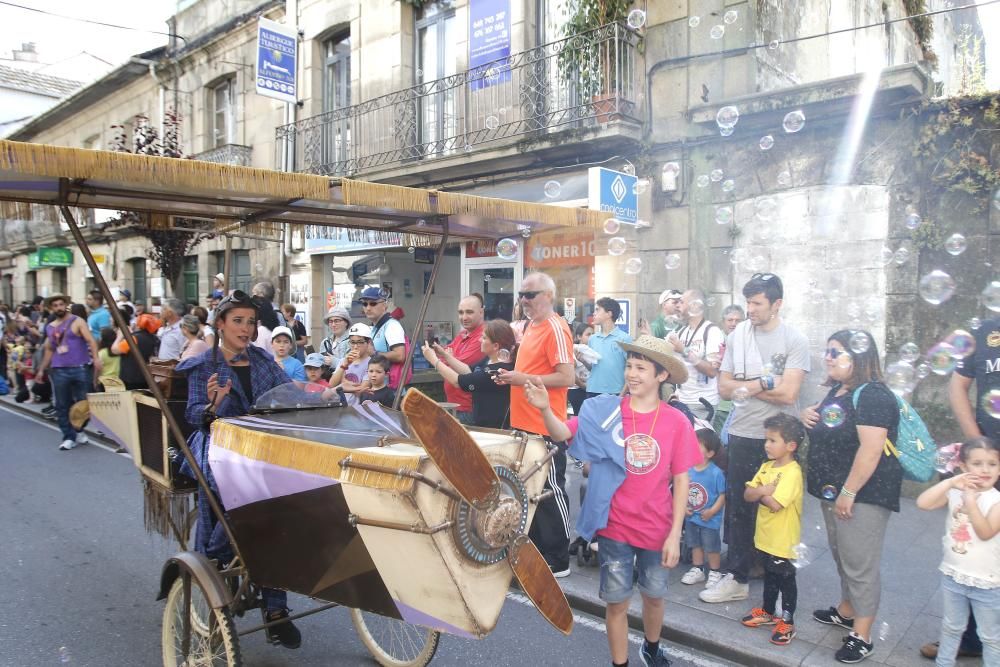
<point>622,321</point>
<point>276,59</point>
<point>489,42</point>
<point>613,191</point>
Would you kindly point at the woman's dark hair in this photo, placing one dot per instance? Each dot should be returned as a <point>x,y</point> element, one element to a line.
<point>201,313</point>
<point>767,284</point>
<point>610,305</point>
<point>867,367</point>
<point>24,311</point>
<point>709,439</point>
<point>79,310</point>
<point>982,442</point>
<point>126,311</point>
<point>578,330</point>
<point>381,360</point>
<point>499,332</point>
<point>237,299</point>
<point>108,336</point>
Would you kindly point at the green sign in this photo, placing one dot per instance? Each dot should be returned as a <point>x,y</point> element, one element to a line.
<point>44,257</point>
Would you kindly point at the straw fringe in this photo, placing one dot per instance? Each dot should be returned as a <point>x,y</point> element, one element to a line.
<point>163,172</point>
<point>15,210</point>
<point>454,203</point>
<point>313,457</point>
<point>379,195</point>
<point>161,506</point>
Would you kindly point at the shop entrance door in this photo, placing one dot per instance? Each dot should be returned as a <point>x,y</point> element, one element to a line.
<point>496,285</point>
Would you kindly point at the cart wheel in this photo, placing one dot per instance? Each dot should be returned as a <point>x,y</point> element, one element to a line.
<point>211,636</point>
<point>395,643</point>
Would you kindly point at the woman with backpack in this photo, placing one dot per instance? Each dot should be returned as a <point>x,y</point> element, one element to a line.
<point>857,478</point>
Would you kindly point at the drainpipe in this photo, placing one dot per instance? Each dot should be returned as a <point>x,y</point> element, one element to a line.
<point>292,20</point>
<point>151,64</point>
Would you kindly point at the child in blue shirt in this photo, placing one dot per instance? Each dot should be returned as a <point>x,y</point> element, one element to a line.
<point>706,500</point>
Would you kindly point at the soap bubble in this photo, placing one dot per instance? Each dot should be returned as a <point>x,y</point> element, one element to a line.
<point>803,555</point>
<point>885,256</point>
<point>923,370</point>
<point>629,168</point>
<point>633,266</point>
<point>552,189</point>
<point>975,323</point>
<point>991,296</point>
<point>829,492</point>
<point>833,415</point>
<point>420,72</point>
<point>900,377</point>
<point>740,397</point>
<point>909,352</point>
<point>794,121</point>
<point>773,45</point>
<point>725,131</point>
<point>724,215</point>
<point>507,248</point>
<point>991,403</point>
<point>717,31</point>
<point>503,111</point>
<point>955,245</point>
<point>860,342</point>
<point>936,287</point>
<point>641,185</point>
<point>492,122</point>
<point>64,655</point>
<point>730,17</point>
<point>941,358</point>
<point>672,261</point>
<point>756,263</point>
<point>765,208</point>
<point>901,255</point>
<point>883,631</point>
<point>636,19</point>
<point>784,178</point>
<point>694,21</point>
<point>738,255</point>
<point>912,221</point>
<point>616,246</point>
<point>943,461</point>
<point>728,185</point>
<point>612,226</point>
<point>503,355</point>
<point>963,342</point>
<point>766,142</point>
<point>727,116</point>
<point>411,250</point>
<point>487,277</point>
<point>716,175</point>
<point>853,310</point>
<point>702,181</point>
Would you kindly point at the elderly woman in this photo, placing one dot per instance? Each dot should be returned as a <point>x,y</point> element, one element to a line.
<point>193,342</point>
<point>336,346</point>
<point>224,381</point>
<point>857,480</point>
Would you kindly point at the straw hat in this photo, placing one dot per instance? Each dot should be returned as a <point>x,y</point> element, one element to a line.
<point>58,297</point>
<point>79,414</point>
<point>662,353</point>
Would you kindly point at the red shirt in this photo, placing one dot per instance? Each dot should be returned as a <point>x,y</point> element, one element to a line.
<point>545,344</point>
<point>467,348</point>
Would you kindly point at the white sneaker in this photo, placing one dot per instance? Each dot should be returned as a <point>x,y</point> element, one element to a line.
<point>693,576</point>
<point>726,590</point>
<point>713,578</point>
<point>81,438</point>
<point>67,445</point>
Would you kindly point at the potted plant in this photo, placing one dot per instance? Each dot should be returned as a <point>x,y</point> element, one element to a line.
<point>585,64</point>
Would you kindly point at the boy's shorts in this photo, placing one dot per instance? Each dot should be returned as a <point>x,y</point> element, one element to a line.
<point>700,537</point>
<point>619,560</point>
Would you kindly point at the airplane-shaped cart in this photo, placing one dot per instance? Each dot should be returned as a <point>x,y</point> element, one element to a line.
<point>411,520</point>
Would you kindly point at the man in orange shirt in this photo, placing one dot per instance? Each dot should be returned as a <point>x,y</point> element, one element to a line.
<point>546,356</point>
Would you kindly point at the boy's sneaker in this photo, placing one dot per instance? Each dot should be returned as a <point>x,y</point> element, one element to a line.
<point>758,617</point>
<point>284,634</point>
<point>855,649</point>
<point>832,617</point>
<point>658,660</point>
<point>81,438</point>
<point>783,634</point>
<point>693,576</point>
<point>67,445</point>
<point>560,571</point>
<point>713,578</point>
<point>727,590</point>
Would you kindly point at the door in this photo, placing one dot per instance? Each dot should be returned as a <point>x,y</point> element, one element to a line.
<point>437,57</point>
<point>138,267</point>
<point>496,286</point>
<point>191,279</point>
<point>336,95</point>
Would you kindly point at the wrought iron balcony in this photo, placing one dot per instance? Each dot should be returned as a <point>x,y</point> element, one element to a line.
<point>227,154</point>
<point>581,81</point>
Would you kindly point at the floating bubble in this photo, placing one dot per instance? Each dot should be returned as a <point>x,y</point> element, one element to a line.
<point>766,142</point>
<point>756,263</point>
<point>829,492</point>
<point>702,181</point>
<point>616,246</point>
<point>633,266</point>
<point>717,31</point>
<point>941,359</point>
<point>883,631</point>
<point>975,323</point>
<point>612,226</point>
<point>762,233</point>
<point>885,256</point>
<point>909,352</point>
<point>737,255</point>
<point>991,403</point>
<point>64,655</point>
<point>420,72</point>
<point>629,169</point>
<point>784,178</point>
<point>991,296</point>
<point>716,175</point>
<point>727,116</point>
<point>936,287</point>
<point>730,17</point>
<point>773,45</point>
<point>912,221</point>
<point>641,185</point>
<point>860,342</point>
<point>503,111</point>
<point>487,278</point>
<point>803,555</point>
<point>741,397</point>
<point>507,248</point>
<point>672,261</point>
<point>765,208</point>
<point>724,215</point>
<point>942,461</point>
<point>725,131</point>
<point>832,416</point>
<point>492,122</point>
<point>411,250</point>
<point>503,355</point>
<point>923,370</point>
<point>694,21</point>
<point>955,245</point>
<point>794,121</point>
<point>901,255</point>
<point>728,185</point>
<point>900,377</point>
<point>552,189</point>
<point>525,230</point>
<point>636,19</point>
<point>711,301</point>
<point>963,342</point>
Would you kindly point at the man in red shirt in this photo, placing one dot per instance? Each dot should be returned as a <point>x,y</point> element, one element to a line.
<point>465,348</point>
<point>546,352</point>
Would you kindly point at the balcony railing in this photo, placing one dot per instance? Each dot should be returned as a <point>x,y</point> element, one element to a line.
<point>227,154</point>
<point>580,81</point>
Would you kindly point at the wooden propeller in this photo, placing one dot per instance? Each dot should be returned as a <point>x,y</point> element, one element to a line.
<point>536,579</point>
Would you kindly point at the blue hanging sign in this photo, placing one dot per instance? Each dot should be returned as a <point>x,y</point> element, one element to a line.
<point>277,53</point>
<point>614,191</point>
<point>623,320</point>
<point>489,42</point>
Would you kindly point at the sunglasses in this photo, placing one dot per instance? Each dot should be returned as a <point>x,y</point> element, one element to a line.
<point>529,295</point>
<point>366,304</point>
<point>833,353</point>
<point>762,276</point>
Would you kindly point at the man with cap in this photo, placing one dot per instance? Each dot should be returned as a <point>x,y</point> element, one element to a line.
<point>125,299</point>
<point>219,285</point>
<point>467,348</point>
<point>668,319</point>
<point>388,336</point>
<point>336,346</point>
<point>283,349</point>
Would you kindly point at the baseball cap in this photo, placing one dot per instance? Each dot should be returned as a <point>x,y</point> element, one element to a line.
<point>360,329</point>
<point>126,293</point>
<point>338,311</point>
<point>284,331</point>
<point>314,360</point>
<point>669,294</point>
<point>221,277</point>
<point>373,294</point>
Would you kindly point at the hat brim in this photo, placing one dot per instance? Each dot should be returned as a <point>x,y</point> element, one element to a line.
<point>79,414</point>
<point>57,297</point>
<point>675,367</point>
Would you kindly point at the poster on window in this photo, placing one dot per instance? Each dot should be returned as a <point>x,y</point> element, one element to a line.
<point>489,42</point>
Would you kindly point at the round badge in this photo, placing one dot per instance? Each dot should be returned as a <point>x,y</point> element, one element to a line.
<point>642,453</point>
<point>697,497</point>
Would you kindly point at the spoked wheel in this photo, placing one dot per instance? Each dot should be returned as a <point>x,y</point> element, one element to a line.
<point>395,643</point>
<point>207,639</point>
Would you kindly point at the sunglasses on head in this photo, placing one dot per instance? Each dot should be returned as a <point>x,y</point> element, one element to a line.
<point>238,297</point>
<point>762,276</point>
<point>529,295</point>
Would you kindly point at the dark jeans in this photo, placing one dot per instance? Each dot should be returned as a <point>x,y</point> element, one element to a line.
<point>69,385</point>
<point>550,529</point>
<point>745,457</point>
<point>779,577</point>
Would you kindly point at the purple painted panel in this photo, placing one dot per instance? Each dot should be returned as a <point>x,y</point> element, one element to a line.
<point>243,481</point>
<point>417,617</point>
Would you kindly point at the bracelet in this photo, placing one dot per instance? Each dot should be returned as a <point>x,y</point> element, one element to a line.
<point>847,493</point>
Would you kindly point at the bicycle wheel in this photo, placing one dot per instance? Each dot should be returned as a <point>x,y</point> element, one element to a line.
<point>211,635</point>
<point>395,643</point>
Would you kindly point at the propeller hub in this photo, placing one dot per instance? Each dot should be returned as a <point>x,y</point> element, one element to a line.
<point>499,525</point>
<point>483,534</point>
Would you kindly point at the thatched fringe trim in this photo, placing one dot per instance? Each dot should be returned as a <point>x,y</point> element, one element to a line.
<point>379,195</point>
<point>161,506</point>
<point>528,213</point>
<point>62,162</point>
<point>313,457</point>
<point>15,210</point>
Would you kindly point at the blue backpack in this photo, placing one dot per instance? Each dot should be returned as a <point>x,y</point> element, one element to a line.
<point>914,446</point>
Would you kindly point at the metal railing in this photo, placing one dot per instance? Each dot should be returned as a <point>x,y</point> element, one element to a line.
<point>580,81</point>
<point>227,154</point>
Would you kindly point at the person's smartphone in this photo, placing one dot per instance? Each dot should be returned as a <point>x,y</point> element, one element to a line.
<point>433,340</point>
<point>493,372</point>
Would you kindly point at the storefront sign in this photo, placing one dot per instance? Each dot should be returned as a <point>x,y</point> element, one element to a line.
<point>613,191</point>
<point>46,257</point>
<point>489,41</point>
<point>101,261</point>
<point>561,250</point>
<point>482,248</point>
<point>622,321</point>
<point>276,55</point>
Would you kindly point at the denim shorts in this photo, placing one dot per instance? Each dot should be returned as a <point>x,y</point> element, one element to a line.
<point>619,560</point>
<point>700,537</point>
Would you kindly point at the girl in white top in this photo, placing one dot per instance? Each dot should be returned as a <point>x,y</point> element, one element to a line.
<point>971,564</point>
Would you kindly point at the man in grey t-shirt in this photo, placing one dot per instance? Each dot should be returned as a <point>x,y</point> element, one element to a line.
<point>762,372</point>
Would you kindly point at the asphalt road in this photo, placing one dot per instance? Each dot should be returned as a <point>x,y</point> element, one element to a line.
<point>81,574</point>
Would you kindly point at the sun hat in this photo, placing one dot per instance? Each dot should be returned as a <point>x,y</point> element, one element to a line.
<point>313,360</point>
<point>58,297</point>
<point>669,294</point>
<point>360,329</point>
<point>374,294</point>
<point>662,353</point>
<point>221,277</point>
<point>338,311</point>
<point>126,293</point>
<point>284,331</point>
